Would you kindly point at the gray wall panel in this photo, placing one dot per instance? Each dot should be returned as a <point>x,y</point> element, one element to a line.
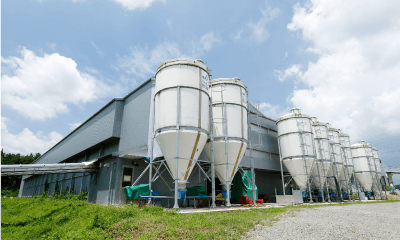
<point>96,130</point>
<point>135,119</point>
<point>119,111</point>
<point>110,148</point>
<point>77,184</point>
<point>263,135</point>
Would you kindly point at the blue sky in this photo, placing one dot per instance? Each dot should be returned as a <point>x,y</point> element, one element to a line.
<point>334,60</point>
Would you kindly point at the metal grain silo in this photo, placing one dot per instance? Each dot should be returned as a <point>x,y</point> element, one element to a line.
<point>371,162</point>
<point>322,147</point>
<point>296,146</point>
<point>361,159</point>
<point>377,163</point>
<point>377,167</point>
<point>348,170</point>
<point>229,108</point>
<point>336,156</point>
<point>181,115</point>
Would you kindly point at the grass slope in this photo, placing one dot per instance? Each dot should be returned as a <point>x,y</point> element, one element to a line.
<point>71,218</point>
<point>38,218</point>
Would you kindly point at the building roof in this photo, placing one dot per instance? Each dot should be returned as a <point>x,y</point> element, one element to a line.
<point>95,114</point>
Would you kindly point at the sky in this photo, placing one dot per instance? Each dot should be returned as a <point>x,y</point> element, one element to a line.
<point>339,61</point>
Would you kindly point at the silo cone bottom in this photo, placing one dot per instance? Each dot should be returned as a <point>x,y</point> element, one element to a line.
<point>295,166</point>
<point>191,144</point>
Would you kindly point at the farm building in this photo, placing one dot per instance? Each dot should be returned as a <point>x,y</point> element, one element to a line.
<point>182,130</point>
<point>118,136</point>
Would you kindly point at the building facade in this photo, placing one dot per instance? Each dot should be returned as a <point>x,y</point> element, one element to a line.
<point>118,138</point>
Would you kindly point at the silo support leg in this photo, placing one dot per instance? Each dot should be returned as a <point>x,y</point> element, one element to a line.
<point>228,195</point>
<point>176,205</point>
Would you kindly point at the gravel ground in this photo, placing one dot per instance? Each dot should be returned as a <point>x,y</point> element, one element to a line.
<point>358,221</point>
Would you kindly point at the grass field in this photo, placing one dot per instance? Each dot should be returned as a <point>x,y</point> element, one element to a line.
<point>70,218</point>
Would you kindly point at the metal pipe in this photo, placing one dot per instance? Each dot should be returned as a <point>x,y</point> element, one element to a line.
<point>280,156</point>
<point>176,205</point>
<point>151,146</point>
<point>212,155</point>
<point>141,175</point>
<point>224,118</point>
<point>253,177</point>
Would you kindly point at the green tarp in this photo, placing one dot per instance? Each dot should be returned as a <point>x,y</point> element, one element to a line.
<point>242,186</point>
<point>134,192</point>
<point>196,191</point>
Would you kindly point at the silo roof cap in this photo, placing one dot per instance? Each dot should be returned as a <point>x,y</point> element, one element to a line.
<point>342,134</point>
<point>333,129</point>
<point>235,81</point>
<point>315,122</point>
<point>182,61</point>
<point>296,113</point>
<point>360,144</point>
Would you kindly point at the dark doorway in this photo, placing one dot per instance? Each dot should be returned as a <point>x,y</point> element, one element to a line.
<point>127,176</point>
<point>218,187</point>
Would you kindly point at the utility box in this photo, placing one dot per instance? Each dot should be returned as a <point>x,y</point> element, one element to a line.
<point>297,197</point>
<point>284,199</point>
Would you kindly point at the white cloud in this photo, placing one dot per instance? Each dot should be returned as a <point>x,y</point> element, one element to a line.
<point>293,70</point>
<point>206,43</point>
<point>41,87</point>
<point>271,111</point>
<point>99,52</point>
<point>355,83</point>
<point>26,142</point>
<point>135,4</point>
<point>142,62</point>
<point>258,31</point>
<point>72,126</point>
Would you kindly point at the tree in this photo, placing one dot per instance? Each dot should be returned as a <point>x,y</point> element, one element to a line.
<point>10,184</point>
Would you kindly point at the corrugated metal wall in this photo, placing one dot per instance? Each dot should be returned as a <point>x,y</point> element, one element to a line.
<point>135,119</point>
<point>264,136</point>
<point>98,129</point>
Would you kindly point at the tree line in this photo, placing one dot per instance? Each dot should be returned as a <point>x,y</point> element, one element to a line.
<point>10,184</point>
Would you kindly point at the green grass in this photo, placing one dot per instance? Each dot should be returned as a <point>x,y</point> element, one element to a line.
<point>71,218</point>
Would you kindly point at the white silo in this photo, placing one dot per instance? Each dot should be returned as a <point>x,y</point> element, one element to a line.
<point>229,108</point>
<point>377,165</point>
<point>371,162</point>
<point>361,157</point>
<point>322,147</point>
<point>336,156</point>
<point>296,146</point>
<point>348,170</point>
<point>181,115</point>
